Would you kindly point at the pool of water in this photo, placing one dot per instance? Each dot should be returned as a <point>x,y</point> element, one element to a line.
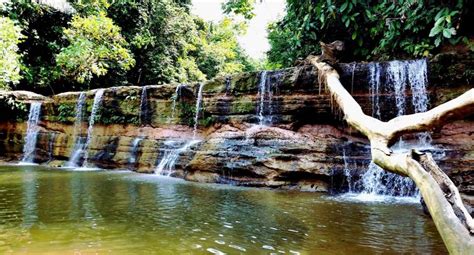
<point>65,212</point>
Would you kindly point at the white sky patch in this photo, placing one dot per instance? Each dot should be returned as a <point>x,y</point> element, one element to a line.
<point>255,42</point>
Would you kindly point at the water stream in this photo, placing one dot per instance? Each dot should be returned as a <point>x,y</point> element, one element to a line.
<point>52,139</point>
<point>399,74</point>
<point>78,139</point>
<point>90,129</point>
<point>176,96</point>
<point>197,110</point>
<point>167,164</point>
<point>31,133</point>
<point>144,106</point>
<point>134,152</point>
<point>265,94</point>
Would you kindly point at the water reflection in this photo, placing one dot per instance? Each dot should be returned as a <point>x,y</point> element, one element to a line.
<point>125,213</point>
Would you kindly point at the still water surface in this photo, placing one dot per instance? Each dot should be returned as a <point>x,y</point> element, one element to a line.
<point>66,212</point>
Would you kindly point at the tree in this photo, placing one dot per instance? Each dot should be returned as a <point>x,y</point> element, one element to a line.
<point>10,36</point>
<point>42,26</point>
<point>96,46</point>
<point>441,196</point>
<point>372,29</point>
<point>172,45</point>
<point>217,50</point>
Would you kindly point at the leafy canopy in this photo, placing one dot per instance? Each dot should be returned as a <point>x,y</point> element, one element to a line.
<point>10,36</point>
<point>96,46</point>
<point>371,29</point>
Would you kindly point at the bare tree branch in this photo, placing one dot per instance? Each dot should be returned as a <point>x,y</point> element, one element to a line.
<point>441,196</point>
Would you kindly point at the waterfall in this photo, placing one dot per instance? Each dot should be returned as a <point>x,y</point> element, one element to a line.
<point>52,139</point>
<point>168,162</point>
<point>176,96</point>
<point>198,109</point>
<point>397,78</point>
<point>31,133</point>
<point>78,140</point>
<point>90,129</point>
<point>133,153</point>
<point>418,79</point>
<point>374,82</point>
<point>347,170</point>
<point>264,91</point>
<point>399,74</point>
<point>144,106</point>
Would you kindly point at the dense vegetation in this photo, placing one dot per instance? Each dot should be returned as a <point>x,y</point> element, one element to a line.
<point>101,43</point>
<point>371,29</point>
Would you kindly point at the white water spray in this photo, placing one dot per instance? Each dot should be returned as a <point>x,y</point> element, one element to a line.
<point>198,109</point>
<point>375,181</point>
<point>167,164</point>
<point>90,129</point>
<point>31,133</point>
<point>78,141</point>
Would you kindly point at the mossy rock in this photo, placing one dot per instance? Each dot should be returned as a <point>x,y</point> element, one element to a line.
<point>246,83</point>
<point>243,106</point>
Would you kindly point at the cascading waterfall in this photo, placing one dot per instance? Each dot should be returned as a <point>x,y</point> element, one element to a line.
<point>168,161</point>
<point>31,133</point>
<point>198,109</point>
<point>265,93</point>
<point>376,181</point>
<point>144,106</point>
<point>374,69</point>
<point>167,164</point>
<point>90,129</point>
<point>133,153</point>
<point>175,100</point>
<point>78,140</point>
<point>418,78</point>
<point>52,139</point>
<point>347,171</point>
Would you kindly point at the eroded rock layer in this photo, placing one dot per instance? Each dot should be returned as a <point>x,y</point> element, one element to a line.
<point>300,146</point>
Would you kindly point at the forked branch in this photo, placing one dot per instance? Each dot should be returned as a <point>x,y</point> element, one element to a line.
<point>441,196</point>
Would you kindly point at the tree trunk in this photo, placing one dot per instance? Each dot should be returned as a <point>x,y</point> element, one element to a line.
<point>441,196</point>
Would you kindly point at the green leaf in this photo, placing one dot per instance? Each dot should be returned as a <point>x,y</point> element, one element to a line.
<point>343,6</point>
<point>434,31</point>
<point>447,33</point>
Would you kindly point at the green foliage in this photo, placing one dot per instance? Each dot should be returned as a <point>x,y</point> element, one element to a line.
<point>10,36</point>
<point>66,112</point>
<point>65,51</point>
<point>96,46</point>
<point>187,111</point>
<point>12,109</point>
<point>171,45</point>
<point>43,28</point>
<point>443,27</point>
<point>239,7</point>
<point>371,29</point>
<point>218,52</point>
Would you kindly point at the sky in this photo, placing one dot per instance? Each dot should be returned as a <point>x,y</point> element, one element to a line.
<point>255,42</point>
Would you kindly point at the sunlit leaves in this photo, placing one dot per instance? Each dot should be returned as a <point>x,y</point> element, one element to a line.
<point>240,7</point>
<point>371,29</point>
<point>10,36</point>
<point>96,46</point>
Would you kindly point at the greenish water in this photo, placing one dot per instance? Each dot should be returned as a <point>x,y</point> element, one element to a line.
<point>66,212</point>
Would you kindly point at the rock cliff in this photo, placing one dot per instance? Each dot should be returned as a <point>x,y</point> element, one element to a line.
<point>299,146</point>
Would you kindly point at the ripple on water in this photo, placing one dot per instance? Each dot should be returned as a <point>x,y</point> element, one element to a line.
<point>107,212</point>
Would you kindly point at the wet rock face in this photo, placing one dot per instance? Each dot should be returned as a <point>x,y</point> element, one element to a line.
<point>299,148</point>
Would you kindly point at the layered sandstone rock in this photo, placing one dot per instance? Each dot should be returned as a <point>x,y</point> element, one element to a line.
<point>300,147</point>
